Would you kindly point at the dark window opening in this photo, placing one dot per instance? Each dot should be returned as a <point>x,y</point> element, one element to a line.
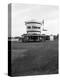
<point>33,31</point>
<point>34,27</point>
<point>29,27</point>
<point>38,27</point>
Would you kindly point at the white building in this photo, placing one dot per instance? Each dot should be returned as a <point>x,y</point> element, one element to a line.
<point>51,37</point>
<point>33,29</point>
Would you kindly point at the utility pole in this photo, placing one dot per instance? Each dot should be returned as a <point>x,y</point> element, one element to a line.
<point>43,25</point>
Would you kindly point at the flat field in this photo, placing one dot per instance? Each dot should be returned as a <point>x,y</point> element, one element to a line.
<point>34,58</point>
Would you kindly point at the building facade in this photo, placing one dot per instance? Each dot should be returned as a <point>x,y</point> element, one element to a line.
<point>33,29</point>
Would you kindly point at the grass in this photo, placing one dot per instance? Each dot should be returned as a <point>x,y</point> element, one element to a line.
<point>34,58</point>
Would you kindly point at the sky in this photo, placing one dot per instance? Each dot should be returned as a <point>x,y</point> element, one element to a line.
<point>24,12</point>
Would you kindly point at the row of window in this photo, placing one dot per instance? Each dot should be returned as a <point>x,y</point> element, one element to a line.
<point>33,31</point>
<point>33,27</point>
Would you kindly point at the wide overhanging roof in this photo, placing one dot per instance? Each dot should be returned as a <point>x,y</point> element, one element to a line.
<point>33,35</point>
<point>32,21</point>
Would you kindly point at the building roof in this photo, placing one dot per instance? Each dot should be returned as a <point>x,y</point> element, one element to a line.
<point>33,21</point>
<point>31,34</point>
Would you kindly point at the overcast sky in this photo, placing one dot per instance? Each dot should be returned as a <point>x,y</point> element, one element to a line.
<point>24,12</point>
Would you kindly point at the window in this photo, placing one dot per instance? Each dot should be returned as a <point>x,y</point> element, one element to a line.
<point>28,27</point>
<point>34,27</point>
<point>38,27</point>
